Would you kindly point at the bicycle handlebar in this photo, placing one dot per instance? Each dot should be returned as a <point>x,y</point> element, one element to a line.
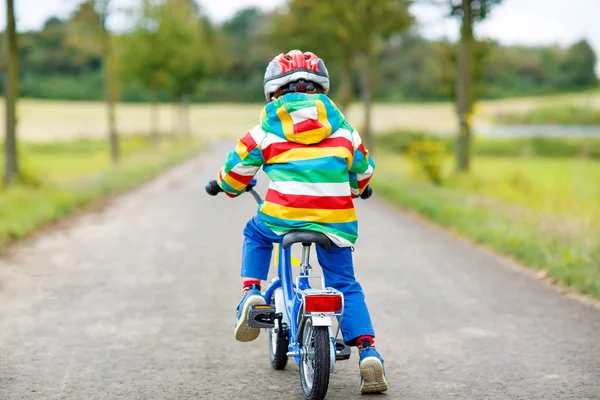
<point>213,189</point>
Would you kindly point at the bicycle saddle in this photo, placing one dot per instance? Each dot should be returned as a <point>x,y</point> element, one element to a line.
<point>306,238</point>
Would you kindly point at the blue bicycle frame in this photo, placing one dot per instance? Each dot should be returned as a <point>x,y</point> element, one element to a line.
<point>292,299</point>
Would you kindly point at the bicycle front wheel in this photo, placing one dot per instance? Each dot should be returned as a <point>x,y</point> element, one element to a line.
<point>315,361</point>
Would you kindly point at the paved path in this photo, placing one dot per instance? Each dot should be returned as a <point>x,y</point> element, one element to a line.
<point>138,301</point>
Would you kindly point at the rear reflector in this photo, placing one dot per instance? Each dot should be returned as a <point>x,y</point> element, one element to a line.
<point>323,303</point>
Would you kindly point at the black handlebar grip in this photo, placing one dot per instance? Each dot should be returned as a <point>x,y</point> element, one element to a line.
<point>366,193</point>
<point>213,188</point>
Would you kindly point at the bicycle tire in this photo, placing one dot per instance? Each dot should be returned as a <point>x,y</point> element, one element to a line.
<point>316,388</point>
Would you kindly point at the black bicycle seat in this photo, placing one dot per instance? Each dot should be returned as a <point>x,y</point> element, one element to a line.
<point>306,238</point>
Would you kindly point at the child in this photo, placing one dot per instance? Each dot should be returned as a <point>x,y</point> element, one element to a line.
<point>317,165</point>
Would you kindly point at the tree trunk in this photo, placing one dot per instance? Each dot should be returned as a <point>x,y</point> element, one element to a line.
<point>186,115</point>
<point>346,86</point>
<point>367,98</point>
<point>109,89</point>
<point>464,98</point>
<point>176,118</point>
<point>154,121</point>
<point>180,117</point>
<point>11,92</point>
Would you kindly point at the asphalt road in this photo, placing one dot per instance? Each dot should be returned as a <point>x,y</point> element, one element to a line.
<point>138,302</point>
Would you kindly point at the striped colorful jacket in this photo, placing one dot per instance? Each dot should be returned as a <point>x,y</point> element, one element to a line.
<point>315,161</point>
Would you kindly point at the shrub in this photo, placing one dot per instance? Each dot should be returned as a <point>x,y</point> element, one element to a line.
<point>428,157</point>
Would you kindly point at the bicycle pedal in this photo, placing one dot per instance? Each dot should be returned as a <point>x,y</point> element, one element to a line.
<point>262,316</point>
<point>342,351</point>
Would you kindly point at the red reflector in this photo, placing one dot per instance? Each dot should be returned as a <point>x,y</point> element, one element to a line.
<point>322,303</point>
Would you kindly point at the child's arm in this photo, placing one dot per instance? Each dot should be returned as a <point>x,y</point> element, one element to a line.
<point>362,167</point>
<point>242,164</point>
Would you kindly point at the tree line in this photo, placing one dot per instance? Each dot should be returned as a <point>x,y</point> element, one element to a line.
<point>58,63</point>
<point>175,53</point>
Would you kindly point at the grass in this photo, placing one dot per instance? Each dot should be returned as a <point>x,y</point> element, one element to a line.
<point>542,211</point>
<point>47,120</point>
<point>61,177</point>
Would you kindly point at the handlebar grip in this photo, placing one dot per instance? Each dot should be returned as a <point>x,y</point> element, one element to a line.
<point>213,188</point>
<point>368,192</point>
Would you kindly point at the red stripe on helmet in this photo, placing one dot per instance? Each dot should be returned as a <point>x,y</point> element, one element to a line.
<point>296,59</point>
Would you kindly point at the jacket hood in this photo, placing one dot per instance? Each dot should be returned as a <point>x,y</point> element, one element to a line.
<point>302,118</point>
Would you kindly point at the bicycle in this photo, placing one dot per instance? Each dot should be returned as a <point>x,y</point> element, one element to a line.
<point>300,318</point>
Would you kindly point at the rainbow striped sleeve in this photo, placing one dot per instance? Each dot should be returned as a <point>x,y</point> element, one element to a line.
<point>243,163</point>
<point>362,167</point>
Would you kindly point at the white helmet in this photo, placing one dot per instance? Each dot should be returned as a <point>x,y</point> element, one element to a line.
<point>294,66</point>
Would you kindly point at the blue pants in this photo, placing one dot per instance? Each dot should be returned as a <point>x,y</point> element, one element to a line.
<point>337,269</point>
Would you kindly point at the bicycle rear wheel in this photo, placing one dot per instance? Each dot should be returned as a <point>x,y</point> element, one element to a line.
<point>315,361</point>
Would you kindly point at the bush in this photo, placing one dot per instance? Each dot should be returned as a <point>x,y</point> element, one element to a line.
<point>428,157</point>
<point>87,86</point>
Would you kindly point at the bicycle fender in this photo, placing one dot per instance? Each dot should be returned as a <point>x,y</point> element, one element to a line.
<point>321,320</point>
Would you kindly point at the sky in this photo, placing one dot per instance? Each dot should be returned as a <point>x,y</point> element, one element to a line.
<point>528,22</point>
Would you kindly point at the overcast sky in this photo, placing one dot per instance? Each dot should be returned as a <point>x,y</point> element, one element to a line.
<point>512,22</point>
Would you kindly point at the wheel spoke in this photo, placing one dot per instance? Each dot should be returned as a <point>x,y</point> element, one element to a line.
<point>308,362</point>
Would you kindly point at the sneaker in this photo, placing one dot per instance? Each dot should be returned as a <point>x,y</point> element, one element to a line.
<point>372,373</point>
<point>243,331</point>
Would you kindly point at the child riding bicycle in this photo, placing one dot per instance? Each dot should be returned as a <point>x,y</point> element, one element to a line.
<point>317,165</point>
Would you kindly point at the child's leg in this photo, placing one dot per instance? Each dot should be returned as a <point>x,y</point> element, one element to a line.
<point>339,274</point>
<point>356,324</point>
<point>256,251</point>
<point>256,258</point>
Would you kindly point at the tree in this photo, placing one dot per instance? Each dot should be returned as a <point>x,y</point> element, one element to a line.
<point>109,78</point>
<point>88,31</point>
<point>345,34</point>
<point>578,66</point>
<point>469,12</point>
<point>11,90</point>
<point>411,67</point>
<point>245,49</point>
<point>328,40</point>
<point>372,23</point>
<point>192,58</point>
<point>144,56</point>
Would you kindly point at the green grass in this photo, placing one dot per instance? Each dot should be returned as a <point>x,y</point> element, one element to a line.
<point>543,212</point>
<point>61,177</point>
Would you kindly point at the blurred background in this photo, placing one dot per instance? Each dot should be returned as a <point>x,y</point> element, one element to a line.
<point>482,115</point>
